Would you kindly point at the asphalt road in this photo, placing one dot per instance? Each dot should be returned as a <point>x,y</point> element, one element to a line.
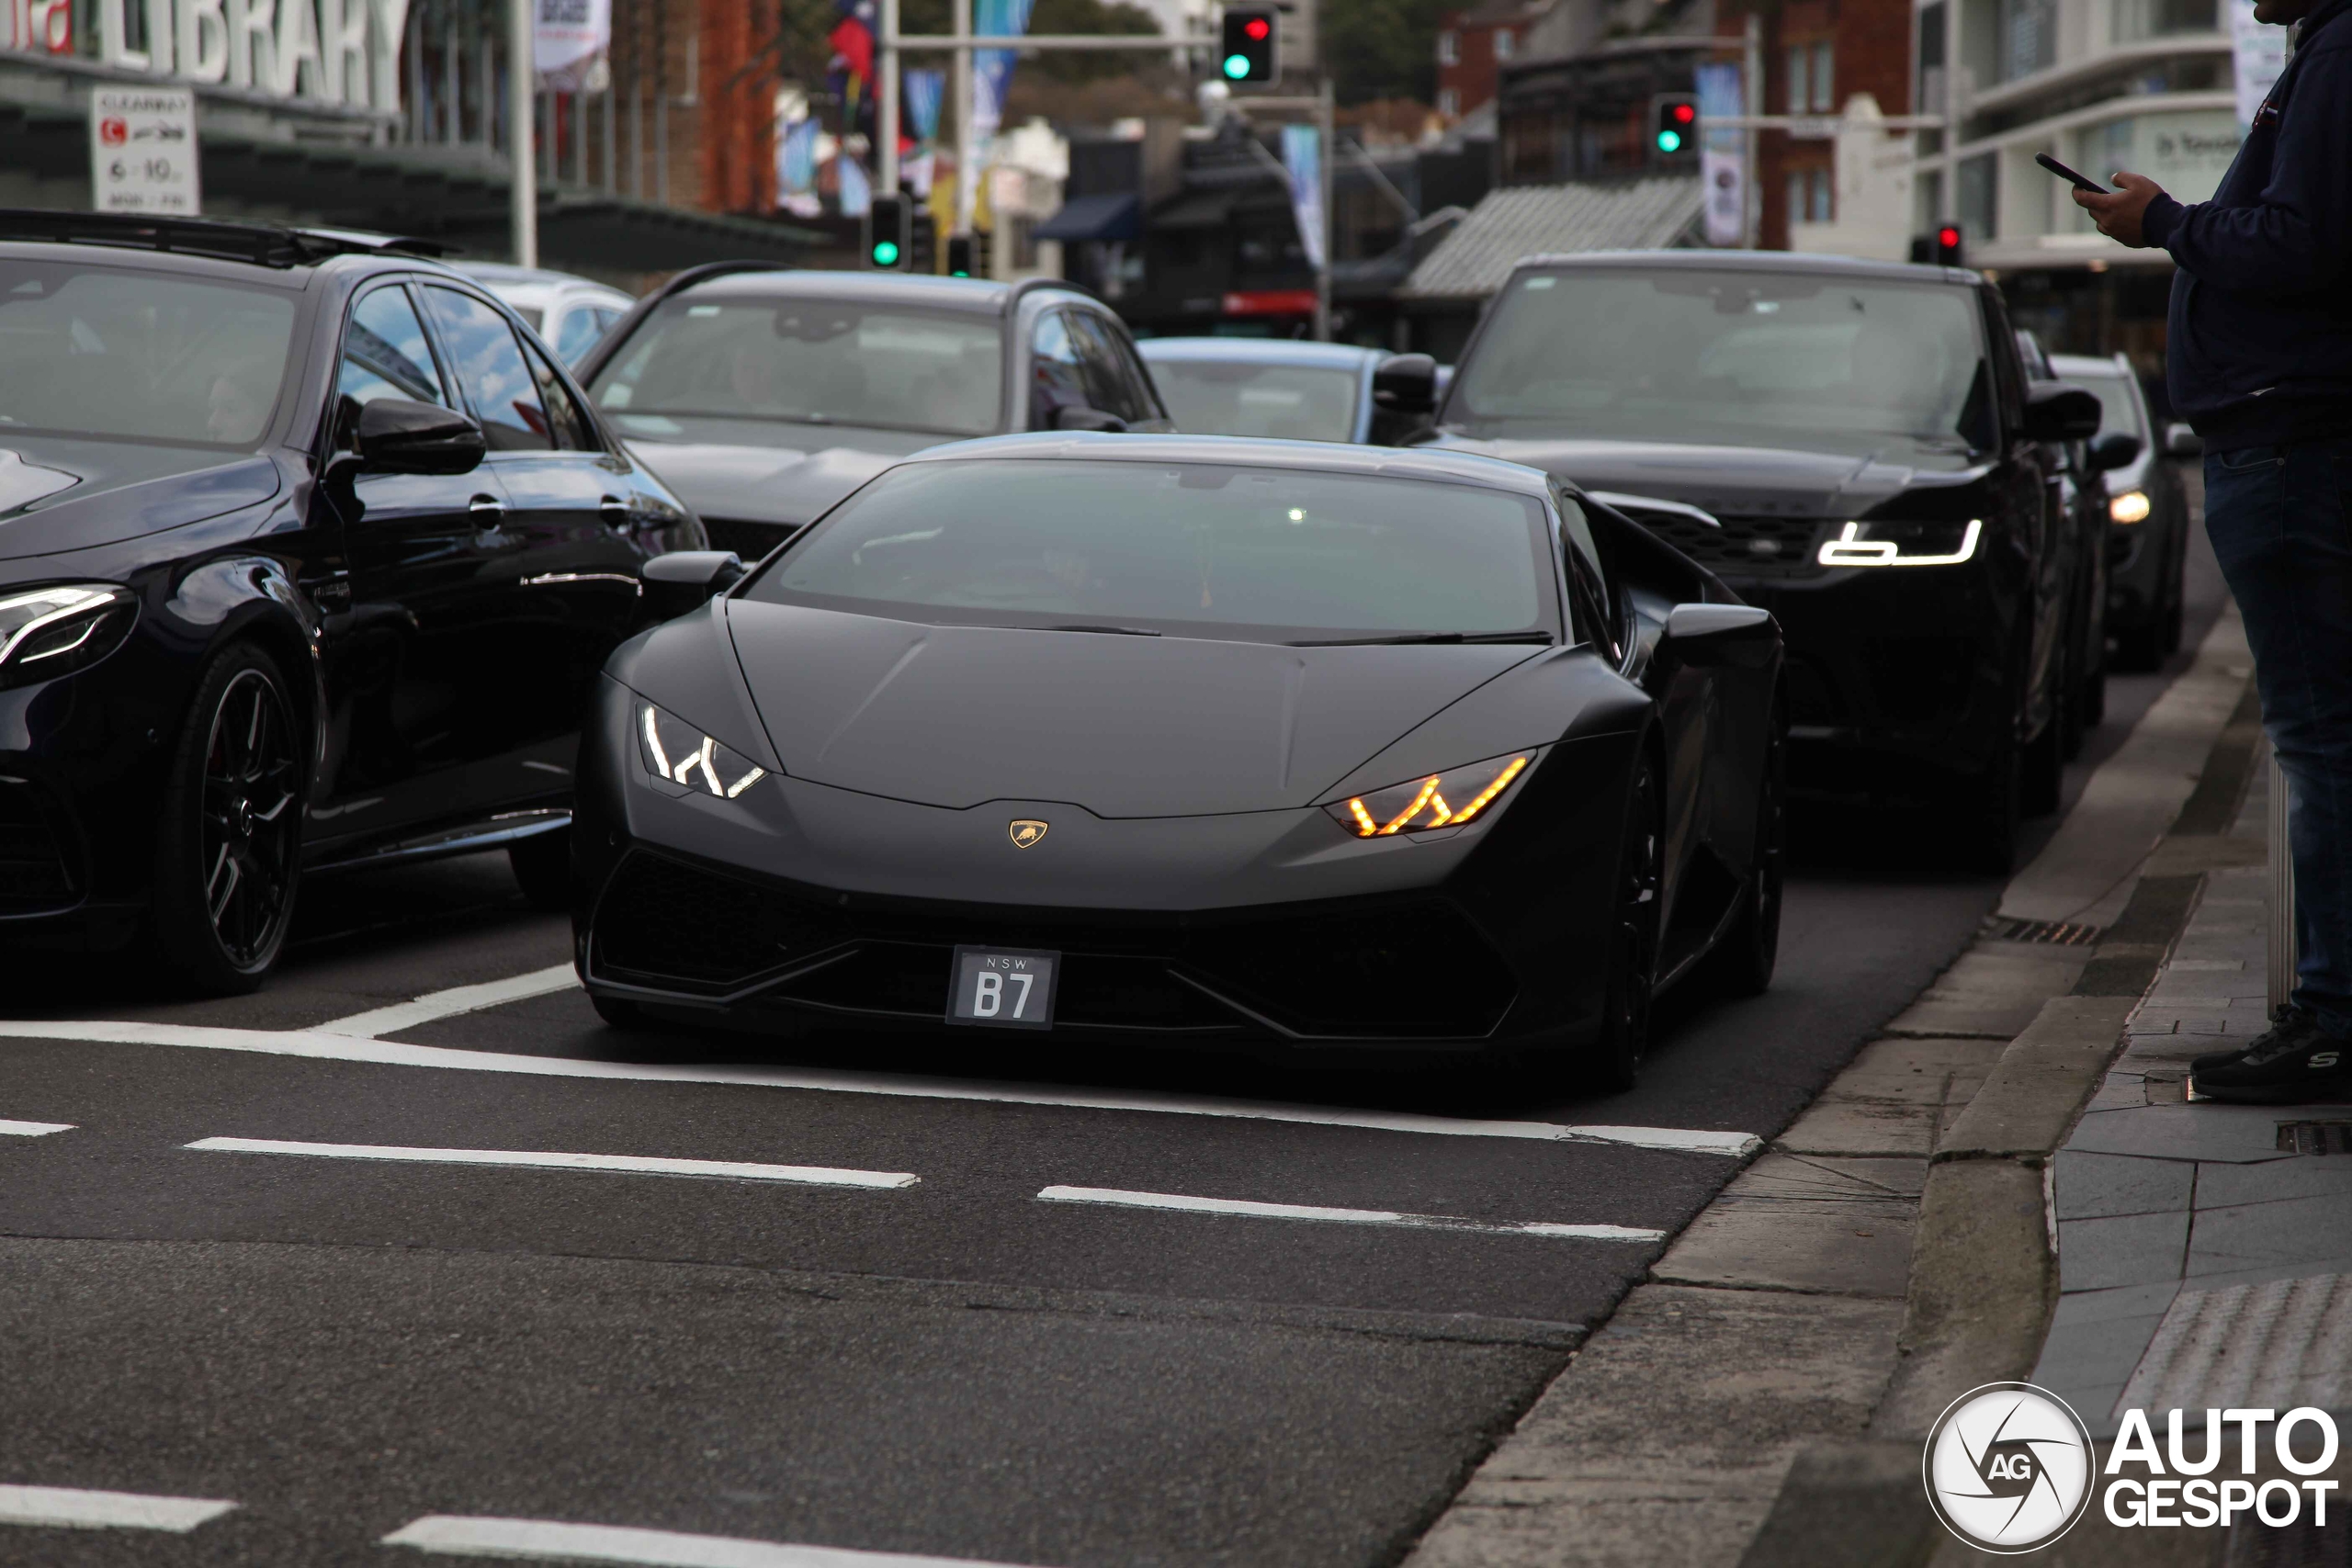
<point>340,1342</point>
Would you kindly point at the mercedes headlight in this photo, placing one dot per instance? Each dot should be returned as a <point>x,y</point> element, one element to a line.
<point>1901,544</point>
<point>2132,506</point>
<point>1437,800</point>
<point>49,632</point>
<point>688,761</point>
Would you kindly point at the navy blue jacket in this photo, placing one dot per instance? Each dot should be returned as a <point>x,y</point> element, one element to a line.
<point>2259,346</point>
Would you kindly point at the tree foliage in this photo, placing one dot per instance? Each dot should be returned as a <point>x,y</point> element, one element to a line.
<point>1382,48</point>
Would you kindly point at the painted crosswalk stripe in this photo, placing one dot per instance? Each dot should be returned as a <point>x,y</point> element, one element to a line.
<point>456,1535</point>
<point>536,1159</point>
<point>434,1006</point>
<point>33,1129</point>
<point>71,1508</point>
<point>1116,1198</point>
<point>313,1045</point>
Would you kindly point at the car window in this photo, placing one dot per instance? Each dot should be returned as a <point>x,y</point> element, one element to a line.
<point>490,365</point>
<point>1140,385</point>
<point>578,333</point>
<point>1587,576</point>
<point>385,353</point>
<point>568,426</point>
<point>1109,386</point>
<point>1057,380</point>
<point>2118,408</point>
<point>1295,402</point>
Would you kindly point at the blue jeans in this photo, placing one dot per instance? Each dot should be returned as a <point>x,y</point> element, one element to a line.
<point>2280,518</point>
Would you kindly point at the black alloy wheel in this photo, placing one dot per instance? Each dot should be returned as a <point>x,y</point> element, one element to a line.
<point>1751,949</point>
<point>229,852</point>
<point>1616,1061</point>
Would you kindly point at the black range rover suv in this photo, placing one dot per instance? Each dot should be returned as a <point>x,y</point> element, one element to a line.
<point>1853,445</point>
<point>309,557</point>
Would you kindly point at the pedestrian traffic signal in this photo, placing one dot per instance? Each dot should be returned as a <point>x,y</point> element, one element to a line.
<point>1674,118</point>
<point>959,256</point>
<point>1247,52</point>
<point>1939,246</point>
<point>890,233</point>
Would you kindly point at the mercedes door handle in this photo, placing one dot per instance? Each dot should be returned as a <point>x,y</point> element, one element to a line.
<point>488,512</point>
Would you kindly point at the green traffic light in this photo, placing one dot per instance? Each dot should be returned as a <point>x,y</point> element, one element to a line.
<point>1670,141</point>
<point>1237,66</point>
<point>886,252</point>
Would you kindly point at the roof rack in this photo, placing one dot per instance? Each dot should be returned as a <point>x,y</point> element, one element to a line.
<point>259,243</point>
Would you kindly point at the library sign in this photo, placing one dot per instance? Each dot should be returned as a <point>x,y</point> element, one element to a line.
<point>325,51</point>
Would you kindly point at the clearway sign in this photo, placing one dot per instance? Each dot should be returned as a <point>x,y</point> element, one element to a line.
<point>142,151</point>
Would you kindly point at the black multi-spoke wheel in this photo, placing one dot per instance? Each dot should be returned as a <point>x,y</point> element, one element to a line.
<point>1632,936</point>
<point>229,855</point>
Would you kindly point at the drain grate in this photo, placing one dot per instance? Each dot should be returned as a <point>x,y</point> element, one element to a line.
<point>2056,933</point>
<point>2315,1137</point>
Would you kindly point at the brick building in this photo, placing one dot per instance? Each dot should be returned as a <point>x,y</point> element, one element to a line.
<point>1472,47</point>
<point>1818,55</point>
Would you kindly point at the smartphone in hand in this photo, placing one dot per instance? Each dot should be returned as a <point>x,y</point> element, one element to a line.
<point>2074,177</point>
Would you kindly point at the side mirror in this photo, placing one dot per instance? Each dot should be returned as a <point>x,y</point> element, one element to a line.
<point>1720,634</point>
<point>1078,416</point>
<point>2180,441</point>
<point>396,436</point>
<point>2116,450</point>
<point>1405,383</point>
<point>687,579</point>
<point>2057,411</point>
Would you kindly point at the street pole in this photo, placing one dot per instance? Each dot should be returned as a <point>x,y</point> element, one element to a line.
<point>960,20</point>
<point>886,107</point>
<point>521,156</point>
<point>1751,93</point>
<point>1330,155</point>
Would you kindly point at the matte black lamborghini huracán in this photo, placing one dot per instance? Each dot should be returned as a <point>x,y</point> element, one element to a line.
<point>1141,736</point>
<point>308,555</point>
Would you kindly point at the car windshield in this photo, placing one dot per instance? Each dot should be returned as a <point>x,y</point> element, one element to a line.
<point>1229,397</point>
<point>123,354</point>
<point>1729,358</point>
<point>810,362</point>
<point>1190,549</point>
<point>2117,410</point>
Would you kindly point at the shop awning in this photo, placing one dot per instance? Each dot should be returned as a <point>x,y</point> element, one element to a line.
<point>1116,215</point>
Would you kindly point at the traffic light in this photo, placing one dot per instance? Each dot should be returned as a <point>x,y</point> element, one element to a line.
<point>1948,239</point>
<point>1674,119</point>
<point>890,233</point>
<point>959,256</point>
<point>1246,52</point>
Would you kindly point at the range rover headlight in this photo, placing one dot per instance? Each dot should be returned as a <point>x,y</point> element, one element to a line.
<point>1436,800</point>
<point>1901,544</point>
<point>53,631</point>
<point>685,758</point>
<point>2132,506</point>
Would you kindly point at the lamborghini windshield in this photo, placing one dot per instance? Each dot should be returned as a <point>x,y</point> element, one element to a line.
<point>1182,550</point>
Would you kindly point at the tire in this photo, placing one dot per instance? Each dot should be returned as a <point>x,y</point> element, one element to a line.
<point>1751,949</point>
<point>2176,592</point>
<point>2141,648</point>
<point>617,1012</point>
<point>542,866</point>
<point>1990,809</point>
<point>229,848</point>
<point>2092,701</point>
<point>2070,719</point>
<point>2044,758</point>
<point>1616,1060</point>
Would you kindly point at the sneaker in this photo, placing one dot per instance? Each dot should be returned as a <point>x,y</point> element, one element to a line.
<point>2296,1063</point>
<point>2281,1017</point>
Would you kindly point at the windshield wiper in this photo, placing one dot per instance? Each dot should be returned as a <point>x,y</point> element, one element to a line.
<point>1543,637</point>
<point>1110,631</point>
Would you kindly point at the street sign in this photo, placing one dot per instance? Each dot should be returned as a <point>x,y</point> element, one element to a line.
<point>142,151</point>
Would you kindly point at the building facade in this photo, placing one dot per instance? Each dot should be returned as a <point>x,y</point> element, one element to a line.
<point>1472,47</point>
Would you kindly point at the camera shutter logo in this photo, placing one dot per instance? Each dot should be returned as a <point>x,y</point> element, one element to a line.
<point>2008,1468</point>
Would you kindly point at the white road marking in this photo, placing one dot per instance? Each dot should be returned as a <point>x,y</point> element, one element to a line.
<point>1118,1199</point>
<point>437,1005</point>
<point>319,1046</point>
<point>71,1508</point>
<point>462,1536</point>
<point>33,1129</point>
<point>634,1164</point>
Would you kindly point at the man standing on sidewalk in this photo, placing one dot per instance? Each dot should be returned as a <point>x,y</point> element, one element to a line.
<point>2259,360</point>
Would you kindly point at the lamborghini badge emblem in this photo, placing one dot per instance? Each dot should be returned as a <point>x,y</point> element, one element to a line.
<point>1027,831</point>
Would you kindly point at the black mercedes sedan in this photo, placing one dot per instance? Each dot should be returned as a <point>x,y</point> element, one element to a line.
<point>1187,738</point>
<point>309,557</point>
<point>765,396</point>
<point>1853,445</point>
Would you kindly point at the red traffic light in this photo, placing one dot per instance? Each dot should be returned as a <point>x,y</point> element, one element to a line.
<point>1947,237</point>
<point>1257,27</point>
<point>1685,113</point>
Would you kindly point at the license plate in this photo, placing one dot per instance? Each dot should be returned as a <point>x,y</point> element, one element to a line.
<point>1003,989</point>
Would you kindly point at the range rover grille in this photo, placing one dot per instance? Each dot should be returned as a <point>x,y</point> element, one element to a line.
<point>1742,546</point>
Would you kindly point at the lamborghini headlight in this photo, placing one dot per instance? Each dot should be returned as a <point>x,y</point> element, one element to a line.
<point>2132,506</point>
<point>684,757</point>
<point>1901,544</point>
<point>49,632</point>
<point>1439,800</point>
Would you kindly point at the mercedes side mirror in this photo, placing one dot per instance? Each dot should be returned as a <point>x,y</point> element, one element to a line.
<point>2180,441</point>
<point>396,436</point>
<point>2116,450</point>
<point>1405,383</point>
<point>1078,416</point>
<point>2059,411</point>
<point>687,579</point>
<point>1720,634</point>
